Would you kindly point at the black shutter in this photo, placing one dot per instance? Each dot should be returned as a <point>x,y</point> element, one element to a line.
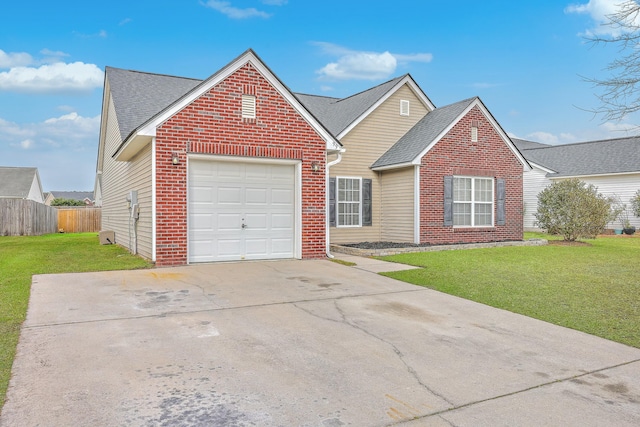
<point>500,196</point>
<point>448,201</point>
<point>332,202</point>
<point>366,202</point>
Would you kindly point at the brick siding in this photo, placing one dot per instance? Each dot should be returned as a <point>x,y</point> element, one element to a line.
<point>213,124</point>
<point>455,154</point>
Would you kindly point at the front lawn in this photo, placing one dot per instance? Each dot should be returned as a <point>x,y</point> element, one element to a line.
<point>21,257</point>
<point>593,288</point>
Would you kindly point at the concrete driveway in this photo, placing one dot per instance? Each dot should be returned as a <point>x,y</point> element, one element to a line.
<point>309,343</point>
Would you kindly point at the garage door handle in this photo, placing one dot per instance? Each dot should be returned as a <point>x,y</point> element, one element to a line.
<point>244,225</point>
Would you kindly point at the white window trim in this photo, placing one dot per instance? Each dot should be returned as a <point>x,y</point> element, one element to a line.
<point>473,202</point>
<point>359,179</point>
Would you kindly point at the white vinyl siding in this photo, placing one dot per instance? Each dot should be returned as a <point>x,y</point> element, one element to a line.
<point>534,181</point>
<point>472,202</point>
<point>349,202</point>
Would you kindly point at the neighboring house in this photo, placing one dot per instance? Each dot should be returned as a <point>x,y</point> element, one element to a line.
<point>612,165</point>
<point>83,196</point>
<point>238,167</point>
<point>20,183</point>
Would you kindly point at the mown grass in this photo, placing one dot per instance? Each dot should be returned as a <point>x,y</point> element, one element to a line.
<point>594,288</point>
<point>21,257</point>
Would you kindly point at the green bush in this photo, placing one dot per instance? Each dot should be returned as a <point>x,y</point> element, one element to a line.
<point>573,209</point>
<point>635,204</point>
<point>67,202</point>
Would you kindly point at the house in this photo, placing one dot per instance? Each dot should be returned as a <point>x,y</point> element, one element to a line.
<point>85,197</point>
<point>612,165</point>
<point>20,183</point>
<point>237,167</point>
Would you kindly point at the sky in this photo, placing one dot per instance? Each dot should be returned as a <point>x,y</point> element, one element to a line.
<point>526,60</point>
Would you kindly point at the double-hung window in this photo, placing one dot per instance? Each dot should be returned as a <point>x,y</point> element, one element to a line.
<point>349,202</point>
<point>472,202</point>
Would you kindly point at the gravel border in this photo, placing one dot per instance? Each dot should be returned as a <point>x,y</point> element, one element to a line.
<point>390,248</point>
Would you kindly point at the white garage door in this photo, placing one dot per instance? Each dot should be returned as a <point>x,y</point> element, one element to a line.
<point>240,211</point>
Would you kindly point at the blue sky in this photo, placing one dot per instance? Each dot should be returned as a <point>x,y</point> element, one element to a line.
<point>524,59</point>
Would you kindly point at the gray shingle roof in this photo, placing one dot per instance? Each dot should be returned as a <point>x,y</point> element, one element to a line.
<point>336,114</point>
<point>422,134</point>
<point>523,144</point>
<point>601,157</point>
<point>139,96</point>
<point>73,195</point>
<point>15,183</point>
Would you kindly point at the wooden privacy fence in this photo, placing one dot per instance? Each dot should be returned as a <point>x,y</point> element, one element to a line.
<point>79,219</point>
<point>20,217</point>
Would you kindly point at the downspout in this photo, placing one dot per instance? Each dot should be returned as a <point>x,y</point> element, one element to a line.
<point>328,234</point>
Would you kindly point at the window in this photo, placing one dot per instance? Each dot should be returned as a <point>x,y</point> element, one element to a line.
<point>404,107</point>
<point>248,106</point>
<point>472,202</point>
<point>350,202</point>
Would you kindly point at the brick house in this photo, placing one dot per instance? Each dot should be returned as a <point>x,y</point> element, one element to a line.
<point>238,167</point>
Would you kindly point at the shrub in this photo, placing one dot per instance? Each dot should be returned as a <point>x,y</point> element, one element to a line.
<point>635,204</point>
<point>67,202</point>
<point>573,209</point>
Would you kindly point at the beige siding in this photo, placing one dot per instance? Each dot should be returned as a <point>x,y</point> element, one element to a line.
<point>397,199</point>
<point>118,178</point>
<point>364,145</point>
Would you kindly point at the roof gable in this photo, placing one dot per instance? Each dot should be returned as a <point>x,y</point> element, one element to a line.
<point>143,133</point>
<point>17,182</point>
<point>417,142</point>
<point>341,115</point>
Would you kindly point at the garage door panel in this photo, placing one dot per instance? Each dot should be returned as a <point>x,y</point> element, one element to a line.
<point>229,222</point>
<point>229,195</point>
<point>255,222</point>
<point>256,196</point>
<point>282,221</point>
<point>225,195</point>
<point>282,196</point>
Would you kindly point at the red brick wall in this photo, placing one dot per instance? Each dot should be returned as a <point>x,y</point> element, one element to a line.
<point>455,154</point>
<point>213,124</point>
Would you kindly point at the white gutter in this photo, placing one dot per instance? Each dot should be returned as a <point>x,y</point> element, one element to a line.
<point>328,226</point>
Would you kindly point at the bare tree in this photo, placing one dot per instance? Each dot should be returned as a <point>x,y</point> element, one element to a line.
<point>620,93</point>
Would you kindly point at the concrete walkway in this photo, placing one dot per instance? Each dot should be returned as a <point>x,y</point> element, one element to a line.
<point>301,343</point>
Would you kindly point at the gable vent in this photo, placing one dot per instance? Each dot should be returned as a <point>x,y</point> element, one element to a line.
<point>248,106</point>
<point>404,107</point>
<point>474,131</point>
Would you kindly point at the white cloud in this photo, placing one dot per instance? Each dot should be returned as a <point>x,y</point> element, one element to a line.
<point>599,11</point>
<point>232,12</point>
<point>26,144</point>
<point>16,59</point>
<point>69,131</point>
<point>363,65</point>
<point>55,78</point>
<point>275,2</point>
<point>544,137</point>
<point>125,21</point>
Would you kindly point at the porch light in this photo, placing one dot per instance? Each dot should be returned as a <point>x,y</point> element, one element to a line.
<point>315,166</point>
<point>175,158</point>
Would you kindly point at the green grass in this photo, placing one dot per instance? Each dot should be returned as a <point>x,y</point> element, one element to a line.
<point>594,289</point>
<point>21,257</point>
